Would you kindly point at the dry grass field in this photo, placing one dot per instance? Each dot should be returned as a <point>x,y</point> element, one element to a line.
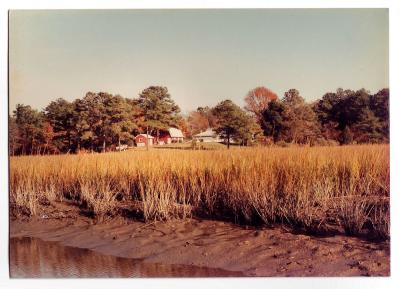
<point>316,189</point>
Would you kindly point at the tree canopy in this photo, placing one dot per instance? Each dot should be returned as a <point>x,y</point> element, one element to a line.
<point>232,122</point>
<point>201,119</point>
<point>364,116</point>
<point>158,108</point>
<point>290,120</point>
<point>101,121</point>
<point>257,100</point>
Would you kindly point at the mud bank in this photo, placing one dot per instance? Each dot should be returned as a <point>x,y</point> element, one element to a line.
<point>214,244</point>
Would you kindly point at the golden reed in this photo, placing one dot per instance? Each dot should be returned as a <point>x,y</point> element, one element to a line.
<point>312,188</point>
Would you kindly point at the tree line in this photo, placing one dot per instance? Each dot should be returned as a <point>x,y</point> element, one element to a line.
<point>343,117</point>
<point>102,121</point>
<point>97,122</point>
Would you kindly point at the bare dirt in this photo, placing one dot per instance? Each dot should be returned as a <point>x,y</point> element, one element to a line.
<point>213,244</point>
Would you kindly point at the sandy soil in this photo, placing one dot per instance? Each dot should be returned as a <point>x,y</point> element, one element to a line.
<point>214,244</point>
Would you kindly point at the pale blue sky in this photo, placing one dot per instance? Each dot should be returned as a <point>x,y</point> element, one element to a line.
<point>202,56</point>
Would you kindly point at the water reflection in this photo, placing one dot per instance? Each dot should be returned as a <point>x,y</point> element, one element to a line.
<point>32,257</point>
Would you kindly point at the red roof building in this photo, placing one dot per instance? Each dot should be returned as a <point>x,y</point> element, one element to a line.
<point>141,140</point>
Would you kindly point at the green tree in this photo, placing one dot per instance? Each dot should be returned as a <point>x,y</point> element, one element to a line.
<point>92,121</point>
<point>83,124</point>
<point>29,122</point>
<point>301,123</point>
<point>325,111</point>
<point>249,131</point>
<point>121,121</point>
<point>366,115</point>
<point>380,106</point>
<point>290,120</point>
<point>102,119</point>
<point>323,107</point>
<point>159,110</point>
<point>350,109</point>
<point>87,120</point>
<point>368,128</point>
<point>231,122</point>
<point>59,114</point>
<point>346,136</point>
<point>13,136</point>
<point>272,121</point>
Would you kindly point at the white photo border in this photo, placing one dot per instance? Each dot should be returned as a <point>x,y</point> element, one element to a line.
<point>259,282</point>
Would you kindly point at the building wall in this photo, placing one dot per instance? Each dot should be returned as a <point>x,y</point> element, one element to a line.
<point>177,139</point>
<point>207,139</point>
<point>141,141</point>
<point>165,139</point>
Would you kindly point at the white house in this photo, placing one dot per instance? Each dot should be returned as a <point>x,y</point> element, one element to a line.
<point>207,136</point>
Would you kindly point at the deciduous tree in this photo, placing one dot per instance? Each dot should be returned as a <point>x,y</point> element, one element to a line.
<point>14,141</point>
<point>291,120</point>
<point>30,123</point>
<point>301,124</point>
<point>59,114</point>
<point>198,122</point>
<point>257,100</point>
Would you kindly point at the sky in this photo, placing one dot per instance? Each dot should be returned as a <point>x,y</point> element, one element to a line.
<point>201,56</point>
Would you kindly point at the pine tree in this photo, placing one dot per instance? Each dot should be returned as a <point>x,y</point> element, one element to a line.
<point>232,122</point>
<point>158,108</point>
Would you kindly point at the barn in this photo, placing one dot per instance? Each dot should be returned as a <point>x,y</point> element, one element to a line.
<point>173,135</point>
<point>176,134</point>
<point>141,140</point>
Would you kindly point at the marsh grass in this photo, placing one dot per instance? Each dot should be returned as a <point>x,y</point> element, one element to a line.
<point>306,187</point>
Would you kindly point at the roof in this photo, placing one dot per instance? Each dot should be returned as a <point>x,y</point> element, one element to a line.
<point>174,132</point>
<point>145,135</point>
<point>208,133</point>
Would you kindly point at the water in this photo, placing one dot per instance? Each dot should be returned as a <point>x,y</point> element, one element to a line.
<point>34,258</point>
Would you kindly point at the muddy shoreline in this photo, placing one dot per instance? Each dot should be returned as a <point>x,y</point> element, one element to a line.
<point>213,244</point>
